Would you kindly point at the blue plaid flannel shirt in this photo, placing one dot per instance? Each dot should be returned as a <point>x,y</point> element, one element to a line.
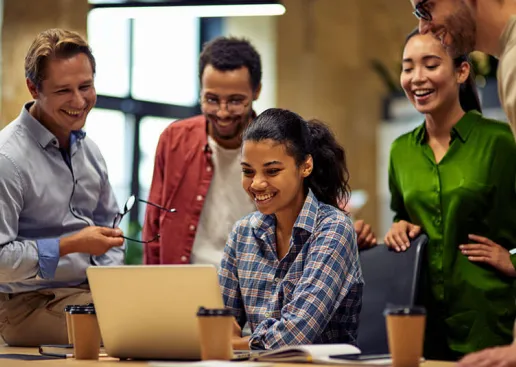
<point>311,296</point>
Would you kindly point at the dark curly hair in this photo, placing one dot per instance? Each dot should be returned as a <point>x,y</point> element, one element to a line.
<point>329,178</point>
<point>230,53</point>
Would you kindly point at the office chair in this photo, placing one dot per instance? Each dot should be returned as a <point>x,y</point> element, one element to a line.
<point>391,278</point>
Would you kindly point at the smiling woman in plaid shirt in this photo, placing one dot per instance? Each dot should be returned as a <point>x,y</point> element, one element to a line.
<point>291,269</point>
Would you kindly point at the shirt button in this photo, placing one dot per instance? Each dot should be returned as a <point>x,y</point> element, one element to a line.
<point>192,227</point>
<point>208,169</point>
<point>199,197</point>
<point>184,259</point>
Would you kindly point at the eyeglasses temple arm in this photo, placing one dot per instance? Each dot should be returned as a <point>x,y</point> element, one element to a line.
<point>157,206</point>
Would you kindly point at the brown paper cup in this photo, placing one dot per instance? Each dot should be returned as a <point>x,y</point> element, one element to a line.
<point>215,332</point>
<point>69,326</point>
<point>86,334</point>
<point>405,335</point>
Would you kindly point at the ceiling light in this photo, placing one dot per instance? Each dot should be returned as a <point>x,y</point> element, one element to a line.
<point>188,9</point>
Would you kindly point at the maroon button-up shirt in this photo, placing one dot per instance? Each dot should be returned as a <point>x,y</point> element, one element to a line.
<point>182,177</point>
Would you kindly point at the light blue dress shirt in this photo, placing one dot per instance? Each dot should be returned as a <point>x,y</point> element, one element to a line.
<point>46,194</point>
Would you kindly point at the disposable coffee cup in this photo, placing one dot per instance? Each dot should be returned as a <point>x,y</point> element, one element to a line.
<point>86,332</point>
<point>215,333</point>
<point>405,334</point>
<point>69,326</point>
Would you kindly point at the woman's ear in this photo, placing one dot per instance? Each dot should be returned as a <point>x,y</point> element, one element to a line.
<point>307,167</point>
<point>463,72</point>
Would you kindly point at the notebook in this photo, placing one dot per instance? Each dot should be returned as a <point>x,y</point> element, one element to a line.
<point>316,353</point>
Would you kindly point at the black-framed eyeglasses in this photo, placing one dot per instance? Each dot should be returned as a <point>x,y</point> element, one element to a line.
<point>235,106</point>
<point>421,12</point>
<point>128,206</point>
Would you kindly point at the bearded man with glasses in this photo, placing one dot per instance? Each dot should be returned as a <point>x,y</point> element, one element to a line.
<point>197,168</point>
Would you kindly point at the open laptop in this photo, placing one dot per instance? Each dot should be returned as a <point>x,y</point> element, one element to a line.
<point>149,312</point>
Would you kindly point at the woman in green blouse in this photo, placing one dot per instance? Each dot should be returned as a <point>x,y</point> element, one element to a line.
<point>454,177</point>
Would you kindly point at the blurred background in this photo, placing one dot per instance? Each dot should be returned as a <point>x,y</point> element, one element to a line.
<point>335,60</point>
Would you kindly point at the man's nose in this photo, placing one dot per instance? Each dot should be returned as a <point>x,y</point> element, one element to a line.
<point>223,111</point>
<point>78,100</point>
<point>424,26</point>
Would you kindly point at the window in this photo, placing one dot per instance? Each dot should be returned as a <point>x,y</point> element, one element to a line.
<point>113,146</point>
<point>150,130</point>
<point>110,43</point>
<point>165,55</point>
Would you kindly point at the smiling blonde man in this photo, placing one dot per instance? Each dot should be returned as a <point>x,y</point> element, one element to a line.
<point>56,203</point>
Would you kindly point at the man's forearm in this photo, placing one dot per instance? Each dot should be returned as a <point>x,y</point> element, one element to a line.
<point>68,245</point>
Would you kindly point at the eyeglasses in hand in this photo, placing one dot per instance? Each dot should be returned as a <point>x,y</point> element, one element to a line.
<point>128,206</point>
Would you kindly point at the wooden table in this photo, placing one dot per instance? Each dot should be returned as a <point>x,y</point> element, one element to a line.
<point>112,362</point>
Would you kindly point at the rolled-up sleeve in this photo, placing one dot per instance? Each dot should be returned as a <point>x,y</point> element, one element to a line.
<point>48,257</point>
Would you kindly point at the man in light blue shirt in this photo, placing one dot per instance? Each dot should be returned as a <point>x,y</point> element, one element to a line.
<point>56,204</point>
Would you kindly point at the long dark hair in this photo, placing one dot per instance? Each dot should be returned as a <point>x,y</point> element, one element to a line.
<point>330,176</point>
<point>468,92</point>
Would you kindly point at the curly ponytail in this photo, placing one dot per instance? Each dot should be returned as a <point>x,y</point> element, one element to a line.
<point>330,177</point>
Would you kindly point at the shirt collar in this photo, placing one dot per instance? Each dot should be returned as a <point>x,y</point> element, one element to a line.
<point>306,220</point>
<point>461,129</point>
<point>42,135</point>
<point>420,134</point>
